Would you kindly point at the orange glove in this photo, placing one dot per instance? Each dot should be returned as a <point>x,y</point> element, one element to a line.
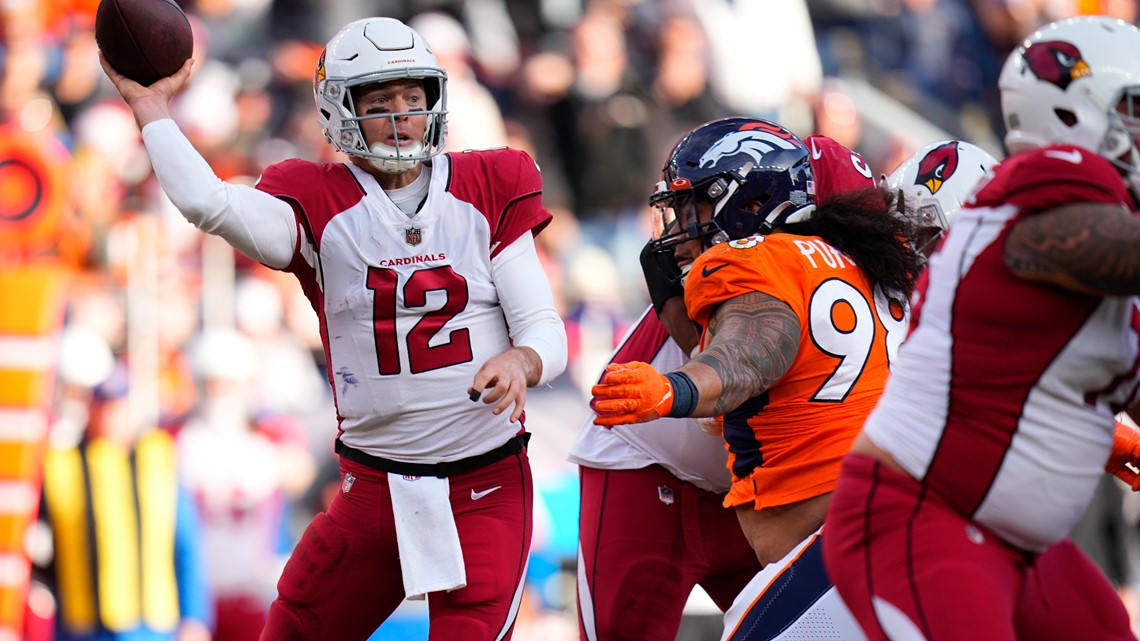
<point>1125,456</point>
<point>631,393</point>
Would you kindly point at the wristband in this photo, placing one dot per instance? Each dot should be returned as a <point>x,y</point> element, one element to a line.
<point>685,395</point>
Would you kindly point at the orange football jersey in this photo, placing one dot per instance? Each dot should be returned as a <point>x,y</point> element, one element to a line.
<point>786,444</point>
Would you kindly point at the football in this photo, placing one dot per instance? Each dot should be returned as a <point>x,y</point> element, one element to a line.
<point>145,40</point>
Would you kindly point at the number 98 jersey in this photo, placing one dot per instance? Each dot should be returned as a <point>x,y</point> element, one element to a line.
<point>786,445</point>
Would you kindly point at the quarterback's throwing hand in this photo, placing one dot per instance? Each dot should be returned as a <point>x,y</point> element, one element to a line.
<point>1124,460</point>
<point>631,393</point>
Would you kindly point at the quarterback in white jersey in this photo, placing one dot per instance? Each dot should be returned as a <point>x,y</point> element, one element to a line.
<point>410,306</point>
<point>952,510</point>
<point>423,273</point>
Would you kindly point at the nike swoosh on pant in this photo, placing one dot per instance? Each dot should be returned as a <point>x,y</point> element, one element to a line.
<point>475,496</point>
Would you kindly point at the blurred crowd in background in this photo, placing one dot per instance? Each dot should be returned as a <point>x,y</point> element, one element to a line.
<point>225,353</point>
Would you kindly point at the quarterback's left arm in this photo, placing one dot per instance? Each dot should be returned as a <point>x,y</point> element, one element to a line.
<point>537,332</point>
<point>754,338</point>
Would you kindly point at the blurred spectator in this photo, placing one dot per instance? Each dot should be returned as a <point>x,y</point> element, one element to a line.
<point>781,90</point>
<point>285,380</point>
<point>542,119</point>
<point>1106,536</point>
<point>603,127</point>
<point>235,29</point>
<point>681,84</point>
<point>479,124</point>
<point>605,158</point>
<point>242,472</point>
<point>127,561</point>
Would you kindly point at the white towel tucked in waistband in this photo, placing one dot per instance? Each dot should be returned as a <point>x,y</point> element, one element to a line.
<point>430,554</point>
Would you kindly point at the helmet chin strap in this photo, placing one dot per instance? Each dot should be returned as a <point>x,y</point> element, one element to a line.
<point>799,215</point>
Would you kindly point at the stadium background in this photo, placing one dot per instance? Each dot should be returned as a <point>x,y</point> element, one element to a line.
<point>596,90</point>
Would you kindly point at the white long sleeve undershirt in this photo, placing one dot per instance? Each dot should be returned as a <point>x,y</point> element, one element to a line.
<point>256,224</point>
<point>528,305</point>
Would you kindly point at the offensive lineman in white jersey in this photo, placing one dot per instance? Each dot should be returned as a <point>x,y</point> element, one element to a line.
<point>952,510</point>
<point>652,523</point>
<point>423,273</point>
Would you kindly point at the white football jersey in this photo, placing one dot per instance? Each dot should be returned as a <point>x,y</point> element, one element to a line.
<point>1002,401</point>
<point>407,307</point>
<point>235,476</point>
<point>677,444</point>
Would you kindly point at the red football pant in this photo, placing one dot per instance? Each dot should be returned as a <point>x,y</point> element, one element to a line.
<point>343,579</point>
<point>645,539</point>
<point>238,618</point>
<point>910,567</point>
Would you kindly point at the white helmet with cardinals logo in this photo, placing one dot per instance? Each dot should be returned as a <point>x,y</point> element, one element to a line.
<point>1064,84</point>
<point>935,182</point>
<point>367,52</point>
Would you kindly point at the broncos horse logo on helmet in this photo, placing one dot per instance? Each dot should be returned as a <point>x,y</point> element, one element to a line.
<point>754,176</point>
<point>753,139</point>
<point>729,163</point>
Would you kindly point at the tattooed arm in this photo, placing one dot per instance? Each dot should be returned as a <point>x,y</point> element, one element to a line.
<point>1085,247</point>
<point>753,341</point>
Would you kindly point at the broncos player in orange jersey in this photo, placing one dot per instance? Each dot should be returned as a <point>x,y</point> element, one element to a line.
<point>798,276</point>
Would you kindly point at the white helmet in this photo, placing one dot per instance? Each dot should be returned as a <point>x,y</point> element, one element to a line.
<point>936,181</point>
<point>371,51</point>
<point>1063,84</point>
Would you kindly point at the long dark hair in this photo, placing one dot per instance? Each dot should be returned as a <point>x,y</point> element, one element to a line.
<point>862,225</point>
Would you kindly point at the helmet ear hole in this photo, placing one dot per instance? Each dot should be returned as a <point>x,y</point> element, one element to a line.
<point>1066,116</point>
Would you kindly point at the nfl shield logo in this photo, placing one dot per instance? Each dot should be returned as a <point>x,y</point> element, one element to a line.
<point>346,485</point>
<point>665,494</point>
<point>413,235</point>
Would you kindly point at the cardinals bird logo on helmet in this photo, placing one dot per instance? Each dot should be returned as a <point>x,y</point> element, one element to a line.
<point>935,182</point>
<point>937,166</point>
<point>1056,61</point>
